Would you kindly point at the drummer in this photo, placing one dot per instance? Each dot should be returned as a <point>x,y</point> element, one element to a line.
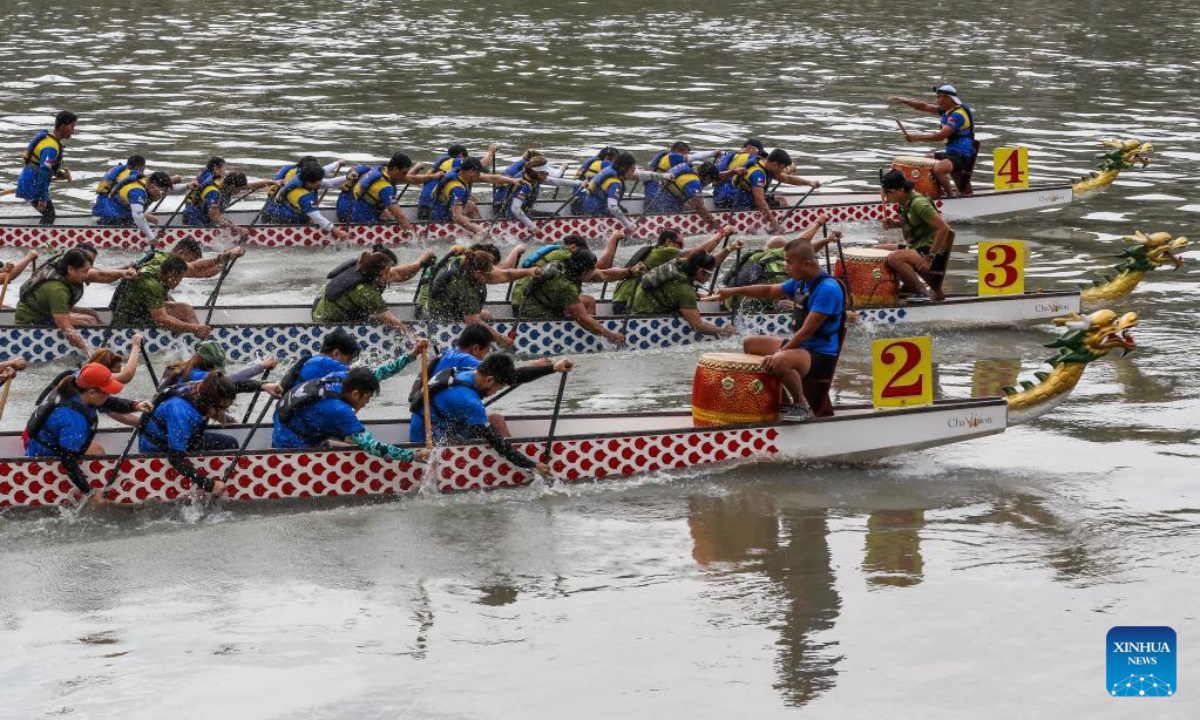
<point>921,260</point>
<point>812,352</point>
<point>957,132</point>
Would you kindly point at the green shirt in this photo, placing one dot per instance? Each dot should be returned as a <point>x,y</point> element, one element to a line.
<point>52,297</point>
<point>140,295</point>
<point>670,298</point>
<point>457,298</point>
<point>626,289</point>
<point>518,292</point>
<point>358,304</point>
<point>919,211</point>
<point>551,299</point>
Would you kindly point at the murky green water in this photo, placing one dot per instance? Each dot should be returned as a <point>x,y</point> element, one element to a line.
<point>977,580</point>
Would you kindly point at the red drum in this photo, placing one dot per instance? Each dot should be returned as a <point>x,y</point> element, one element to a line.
<point>732,389</point>
<point>872,283</point>
<point>920,171</point>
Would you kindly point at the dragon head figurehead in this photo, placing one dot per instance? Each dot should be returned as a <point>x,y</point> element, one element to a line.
<point>1123,154</point>
<point>1090,337</point>
<point>1151,251</point>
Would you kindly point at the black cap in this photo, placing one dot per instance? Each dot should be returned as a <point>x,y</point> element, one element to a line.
<point>756,144</point>
<point>470,164</point>
<point>895,180</point>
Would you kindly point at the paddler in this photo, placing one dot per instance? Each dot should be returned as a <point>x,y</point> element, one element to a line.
<point>516,202</point>
<point>811,353</point>
<point>768,267</point>
<point>205,205</point>
<point>458,414</point>
<point>603,272</point>
<point>957,133</point>
<point>668,247</point>
<point>296,202</point>
<point>724,195</point>
<point>921,259</point>
<point>452,198</point>
<point>683,191</point>
<point>749,184</point>
<point>287,173</point>
<point>671,288</point>
<point>458,289</point>
<point>44,164</point>
<point>591,167</point>
<point>375,191</point>
<point>129,202</point>
<point>208,357</point>
<point>63,425</point>
<point>132,169</point>
<point>453,159</point>
<point>178,424</point>
<point>123,371</point>
<point>664,161</point>
<point>50,296</point>
<point>48,271</point>
<point>555,294</point>
<point>12,271</point>
<point>145,300</point>
<point>323,411</point>
<point>354,293</point>
<point>605,191</point>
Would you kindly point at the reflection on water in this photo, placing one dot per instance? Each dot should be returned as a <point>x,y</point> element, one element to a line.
<point>893,557</point>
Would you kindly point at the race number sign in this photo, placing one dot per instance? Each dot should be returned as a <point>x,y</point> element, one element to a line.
<point>1012,168</point>
<point>902,372</point>
<point>1002,267</point>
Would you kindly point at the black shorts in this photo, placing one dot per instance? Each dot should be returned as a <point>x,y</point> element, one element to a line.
<point>822,366</point>
<point>959,161</point>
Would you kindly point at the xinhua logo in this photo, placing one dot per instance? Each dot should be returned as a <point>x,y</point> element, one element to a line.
<point>1141,661</point>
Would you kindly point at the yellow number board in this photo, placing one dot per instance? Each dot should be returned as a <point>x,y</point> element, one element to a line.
<point>1002,267</point>
<point>902,372</point>
<point>1012,168</point>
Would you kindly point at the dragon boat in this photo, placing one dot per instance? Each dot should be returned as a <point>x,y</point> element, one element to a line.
<point>797,211</point>
<point>249,332</point>
<point>586,447</point>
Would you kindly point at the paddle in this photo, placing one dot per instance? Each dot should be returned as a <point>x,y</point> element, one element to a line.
<point>211,303</point>
<point>113,474</point>
<point>4,290</point>
<point>562,385</point>
<point>149,366</point>
<point>4,395</point>
<point>799,202</point>
<point>246,443</point>
<point>254,398</point>
<point>712,286</point>
<point>425,397</point>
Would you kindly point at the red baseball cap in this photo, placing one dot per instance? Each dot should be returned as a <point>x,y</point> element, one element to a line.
<point>95,376</point>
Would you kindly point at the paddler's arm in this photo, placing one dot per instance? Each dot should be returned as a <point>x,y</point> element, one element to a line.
<point>164,319</point>
<point>696,203</point>
<point>944,132</point>
<point>366,442</point>
<point>102,275</point>
<point>786,179</point>
<point>811,231</point>
<point>764,209</point>
<point>20,265</point>
<point>138,211</point>
<point>392,367</point>
<point>500,275</point>
<point>702,326</point>
<point>514,256</point>
<point>458,211</point>
<point>819,245</point>
<point>606,258</point>
<point>516,207</point>
<point>710,244</point>
<point>759,292</point>
<point>726,251</point>
<point>387,318</point>
<point>614,208</point>
<point>500,444</point>
<point>182,465</point>
<point>702,155</point>
<point>70,465</point>
<point>557,181</point>
<point>413,178</point>
<point>914,104</point>
<point>490,156</point>
<point>503,341</point>
<point>580,314</point>
<point>131,365</point>
<point>212,267</point>
<point>498,179</point>
<point>400,273</point>
<point>63,321</point>
<point>397,214</point>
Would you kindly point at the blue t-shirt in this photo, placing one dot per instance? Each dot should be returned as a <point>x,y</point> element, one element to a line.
<point>319,366</point>
<point>458,195</point>
<point>67,427</point>
<point>825,296</point>
<point>459,405</point>
<point>456,358</point>
<point>181,420</point>
<point>444,164</point>
<point>963,142</point>
<point>325,419</point>
<point>33,183</point>
<point>198,215</point>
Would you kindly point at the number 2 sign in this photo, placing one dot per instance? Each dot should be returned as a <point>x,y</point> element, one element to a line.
<point>1012,168</point>
<point>1002,267</point>
<point>902,372</point>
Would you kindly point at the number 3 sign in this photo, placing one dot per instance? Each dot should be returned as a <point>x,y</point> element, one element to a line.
<point>902,372</point>
<point>1002,267</point>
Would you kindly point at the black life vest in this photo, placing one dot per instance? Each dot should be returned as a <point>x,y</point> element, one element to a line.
<point>763,267</point>
<point>342,280</point>
<point>800,312</point>
<point>181,390</point>
<point>149,264</point>
<point>443,380</point>
<point>500,205</point>
<point>47,272</point>
<point>307,393</point>
<point>536,284</point>
<point>293,374</point>
<point>448,275</point>
<point>46,407</point>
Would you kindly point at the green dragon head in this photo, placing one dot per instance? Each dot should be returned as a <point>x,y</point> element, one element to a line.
<point>1090,337</point>
<point>1124,154</point>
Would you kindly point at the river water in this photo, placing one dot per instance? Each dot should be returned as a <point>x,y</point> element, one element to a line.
<point>976,580</point>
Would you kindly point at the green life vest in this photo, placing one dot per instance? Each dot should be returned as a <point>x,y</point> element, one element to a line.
<point>654,258</point>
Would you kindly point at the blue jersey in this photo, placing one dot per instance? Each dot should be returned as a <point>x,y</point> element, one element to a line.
<point>319,366</point>
<point>173,426</point>
<point>823,295</point>
<point>675,193</point>
<point>600,189</point>
<point>294,202</point>
<point>661,163</point>
<point>66,428</point>
<point>961,121</point>
<point>316,423</point>
<point>345,200</point>
<point>444,164</point>
<point>453,191</point>
<point>43,158</point>
<point>373,193</point>
<point>456,406</point>
<point>198,214</point>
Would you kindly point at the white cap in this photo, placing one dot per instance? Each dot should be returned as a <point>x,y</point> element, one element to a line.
<point>948,90</point>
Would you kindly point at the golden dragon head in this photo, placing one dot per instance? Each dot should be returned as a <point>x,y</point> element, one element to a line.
<point>1127,152</point>
<point>1151,251</point>
<point>1093,336</point>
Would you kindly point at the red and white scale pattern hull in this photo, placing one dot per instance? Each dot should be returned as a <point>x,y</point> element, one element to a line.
<point>841,207</point>
<point>590,447</point>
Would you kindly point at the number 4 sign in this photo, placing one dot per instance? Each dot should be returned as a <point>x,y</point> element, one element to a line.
<point>1012,168</point>
<point>1002,267</point>
<point>902,372</point>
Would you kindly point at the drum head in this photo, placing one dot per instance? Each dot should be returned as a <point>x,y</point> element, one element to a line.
<point>871,254</point>
<point>731,360</point>
<point>914,161</point>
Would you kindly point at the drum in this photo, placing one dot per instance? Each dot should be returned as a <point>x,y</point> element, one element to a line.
<point>872,283</point>
<point>732,388</point>
<point>920,171</point>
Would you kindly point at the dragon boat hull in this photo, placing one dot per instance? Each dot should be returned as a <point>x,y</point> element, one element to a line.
<point>249,333</point>
<point>841,207</point>
<point>587,447</point>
